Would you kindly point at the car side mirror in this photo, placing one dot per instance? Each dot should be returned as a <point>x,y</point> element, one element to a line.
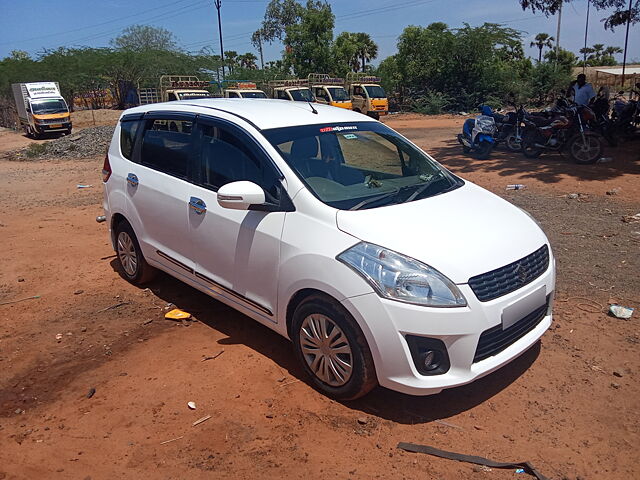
<point>240,195</point>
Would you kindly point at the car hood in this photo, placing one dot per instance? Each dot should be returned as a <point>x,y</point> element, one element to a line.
<point>461,233</point>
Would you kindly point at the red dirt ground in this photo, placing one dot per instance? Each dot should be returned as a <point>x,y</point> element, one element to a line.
<point>569,405</point>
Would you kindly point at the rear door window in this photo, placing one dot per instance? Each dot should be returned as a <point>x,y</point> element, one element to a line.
<point>166,145</point>
<point>128,132</point>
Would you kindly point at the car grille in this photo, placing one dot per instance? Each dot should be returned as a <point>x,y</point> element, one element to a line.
<point>495,340</point>
<point>52,121</point>
<point>503,280</point>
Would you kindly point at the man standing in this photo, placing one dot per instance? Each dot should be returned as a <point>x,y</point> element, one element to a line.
<point>581,91</point>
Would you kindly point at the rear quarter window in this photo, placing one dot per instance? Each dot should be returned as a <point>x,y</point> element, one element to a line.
<point>128,132</point>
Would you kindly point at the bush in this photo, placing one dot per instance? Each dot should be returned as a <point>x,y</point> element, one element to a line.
<point>36,150</point>
<point>430,103</point>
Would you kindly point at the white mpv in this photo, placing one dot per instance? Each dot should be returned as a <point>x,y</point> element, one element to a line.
<point>335,231</point>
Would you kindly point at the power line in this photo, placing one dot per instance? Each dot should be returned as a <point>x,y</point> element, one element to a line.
<point>196,6</point>
<point>171,5</point>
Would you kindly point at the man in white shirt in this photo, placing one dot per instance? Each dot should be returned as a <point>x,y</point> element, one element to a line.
<point>581,91</point>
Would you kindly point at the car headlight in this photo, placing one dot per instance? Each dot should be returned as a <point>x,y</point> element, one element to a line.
<point>402,278</point>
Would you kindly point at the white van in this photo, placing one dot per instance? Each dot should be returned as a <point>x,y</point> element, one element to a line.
<point>381,266</point>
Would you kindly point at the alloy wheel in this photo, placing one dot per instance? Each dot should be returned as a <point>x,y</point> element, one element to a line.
<point>127,254</point>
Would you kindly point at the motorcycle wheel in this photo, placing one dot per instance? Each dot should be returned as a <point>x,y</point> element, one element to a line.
<point>530,150</point>
<point>483,150</point>
<point>586,151</point>
<point>513,143</point>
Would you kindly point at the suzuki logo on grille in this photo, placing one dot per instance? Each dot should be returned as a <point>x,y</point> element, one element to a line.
<point>521,272</point>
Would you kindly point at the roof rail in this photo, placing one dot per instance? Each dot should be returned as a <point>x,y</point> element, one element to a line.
<point>181,81</point>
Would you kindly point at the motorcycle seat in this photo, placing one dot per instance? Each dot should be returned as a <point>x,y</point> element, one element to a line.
<point>539,121</point>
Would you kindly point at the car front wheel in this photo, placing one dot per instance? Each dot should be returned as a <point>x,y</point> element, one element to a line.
<point>332,349</point>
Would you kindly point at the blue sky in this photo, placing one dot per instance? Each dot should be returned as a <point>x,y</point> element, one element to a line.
<point>34,25</point>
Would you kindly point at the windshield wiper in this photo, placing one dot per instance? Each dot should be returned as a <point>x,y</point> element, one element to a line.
<point>423,187</point>
<point>369,200</point>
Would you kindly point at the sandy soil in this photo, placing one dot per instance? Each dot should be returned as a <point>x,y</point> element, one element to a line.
<point>570,405</point>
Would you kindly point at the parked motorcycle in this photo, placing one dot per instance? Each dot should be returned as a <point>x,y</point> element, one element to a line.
<point>509,128</point>
<point>601,123</point>
<point>478,136</point>
<point>566,128</point>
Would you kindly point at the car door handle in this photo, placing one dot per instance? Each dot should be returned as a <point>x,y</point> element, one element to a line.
<point>132,179</point>
<point>198,205</point>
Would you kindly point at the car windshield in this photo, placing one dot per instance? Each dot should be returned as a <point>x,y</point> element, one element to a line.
<point>360,165</point>
<point>54,105</point>
<point>302,95</point>
<point>338,94</point>
<point>375,91</point>
<point>253,95</point>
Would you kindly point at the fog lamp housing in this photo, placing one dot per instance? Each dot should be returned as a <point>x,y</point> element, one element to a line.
<point>429,355</point>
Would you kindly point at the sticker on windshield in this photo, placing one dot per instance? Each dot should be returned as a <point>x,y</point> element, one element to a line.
<point>350,136</point>
<point>338,129</point>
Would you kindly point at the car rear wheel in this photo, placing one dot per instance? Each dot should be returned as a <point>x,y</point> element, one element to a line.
<point>332,349</point>
<point>132,263</point>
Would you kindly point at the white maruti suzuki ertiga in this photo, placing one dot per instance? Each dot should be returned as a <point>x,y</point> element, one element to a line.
<point>379,265</point>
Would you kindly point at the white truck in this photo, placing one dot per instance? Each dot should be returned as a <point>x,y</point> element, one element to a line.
<point>174,87</point>
<point>294,90</point>
<point>41,108</point>
<point>241,89</point>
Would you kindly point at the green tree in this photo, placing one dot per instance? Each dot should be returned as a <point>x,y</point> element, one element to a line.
<point>278,15</point>
<point>619,16</point>
<point>231,60</point>
<point>542,40</point>
<point>599,55</point>
<point>248,61</point>
<point>462,67</point>
<point>565,59</point>
<point>345,53</point>
<point>144,37</point>
<point>367,49</point>
<point>308,42</point>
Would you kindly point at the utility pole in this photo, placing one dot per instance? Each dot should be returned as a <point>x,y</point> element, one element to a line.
<point>626,41</point>
<point>260,49</point>
<point>558,31</point>
<point>218,4</point>
<point>586,29</point>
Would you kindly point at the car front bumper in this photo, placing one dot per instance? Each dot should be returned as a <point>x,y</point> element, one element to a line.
<point>387,323</point>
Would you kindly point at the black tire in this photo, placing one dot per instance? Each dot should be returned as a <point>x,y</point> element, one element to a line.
<point>374,115</point>
<point>585,150</point>
<point>484,150</point>
<point>362,378</point>
<point>140,271</point>
<point>513,143</point>
<point>465,149</point>
<point>530,150</point>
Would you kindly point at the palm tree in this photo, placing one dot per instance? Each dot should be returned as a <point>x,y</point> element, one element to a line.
<point>367,49</point>
<point>611,51</point>
<point>248,60</point>
<point>231,59</point>
<point>541,41</point>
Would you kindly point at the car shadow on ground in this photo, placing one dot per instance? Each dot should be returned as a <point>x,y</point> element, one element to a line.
<point>550,167</point>
<point>381,402</point>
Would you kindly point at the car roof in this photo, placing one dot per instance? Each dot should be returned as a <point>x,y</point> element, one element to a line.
<point>263,113</point>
